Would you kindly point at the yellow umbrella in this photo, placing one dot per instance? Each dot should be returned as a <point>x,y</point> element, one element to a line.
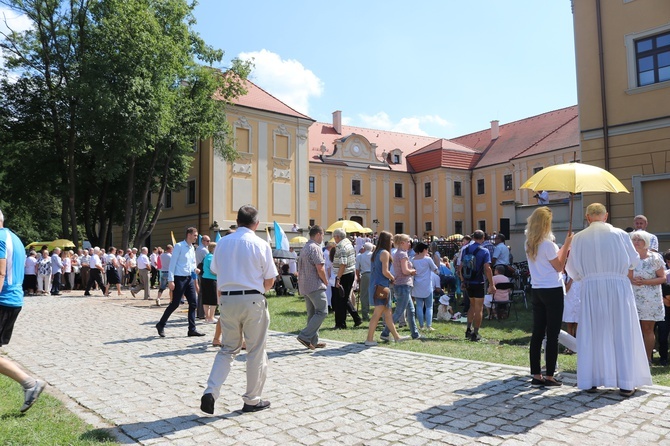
<point>61,243</point>
<point>298,239</point>
<point>367,231</point>
<point>347,225</point>
<point>455,237</point>
<point>574,178</point>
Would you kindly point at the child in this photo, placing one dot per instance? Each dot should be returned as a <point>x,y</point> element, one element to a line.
<point>500,277</point>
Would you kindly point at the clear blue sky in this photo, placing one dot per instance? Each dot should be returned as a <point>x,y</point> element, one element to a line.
<point>438,67</point>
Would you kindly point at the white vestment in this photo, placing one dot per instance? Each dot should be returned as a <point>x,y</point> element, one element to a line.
<point>609,339</point>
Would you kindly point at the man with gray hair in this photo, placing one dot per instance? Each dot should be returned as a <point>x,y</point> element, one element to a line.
<point>56,272</point>
<point>363,268</point>
<point>95,273</point>
<point>610,348</point>
<point>144,272</point>
<point>312,283</point>
<point>344,264</point>
<point>12,260</point>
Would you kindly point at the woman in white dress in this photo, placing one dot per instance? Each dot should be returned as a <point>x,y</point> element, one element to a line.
<point>647,278</point>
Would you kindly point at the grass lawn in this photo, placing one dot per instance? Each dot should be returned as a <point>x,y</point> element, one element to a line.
<point>503,342</point>
<point>48,422</point>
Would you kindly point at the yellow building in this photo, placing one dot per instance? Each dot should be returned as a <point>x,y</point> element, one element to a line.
<point>623,82</point>
<point>295,170</point>
<point>270,173</point>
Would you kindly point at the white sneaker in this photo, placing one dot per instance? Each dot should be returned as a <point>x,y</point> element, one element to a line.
<point>32,394</point>
<point>403,338</point>
<point>370,343</point>
<point>158,302</point>
<point>384,338</point>
<point>430,329</point>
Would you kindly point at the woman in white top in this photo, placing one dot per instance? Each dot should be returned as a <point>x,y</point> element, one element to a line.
<point>545,262</point>
<point>423,285</point>
<point>647,278</point>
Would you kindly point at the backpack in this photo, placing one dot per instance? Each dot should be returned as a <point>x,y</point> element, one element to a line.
<point>469,264</point>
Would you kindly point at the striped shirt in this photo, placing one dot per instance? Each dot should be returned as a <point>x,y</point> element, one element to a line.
<point>345,255</point>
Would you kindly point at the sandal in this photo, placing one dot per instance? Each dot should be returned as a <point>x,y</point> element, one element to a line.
<point>216,343</point>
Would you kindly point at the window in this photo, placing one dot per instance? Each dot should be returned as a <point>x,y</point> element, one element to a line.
<point>396,159</point>
<point>281,146</point>
<point>458,227</point>
<point>399,227</point>
<point>482,225</point>
<point>457,192</point>
<point>652,56</point>
<point>481,187</point>
<point>190,192</point>
<point>242,137</point>
<point>355,187</point>
<point>507,180</point>
<point>537,169</point>
<point>312,222</point>
<point>398,191</point>
<point>312,185</point>
<point>429,226</point>
<point>427,190</point>
<point>168,199</point>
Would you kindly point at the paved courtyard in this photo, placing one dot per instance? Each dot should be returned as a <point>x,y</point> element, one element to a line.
<point>103,355</point>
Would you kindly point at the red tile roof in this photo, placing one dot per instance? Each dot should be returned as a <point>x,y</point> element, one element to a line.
<point>443,153</point>
<point>320,132</point>
<point>543,133</point>
<point>259,99</point>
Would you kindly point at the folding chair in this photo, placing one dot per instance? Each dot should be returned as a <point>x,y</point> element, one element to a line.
<point>288,284</point>
<point>502,309</point>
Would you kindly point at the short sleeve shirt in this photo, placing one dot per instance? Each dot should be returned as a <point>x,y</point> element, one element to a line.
<point>345,254</point>
<point>11,249</point>
<point>308,278</point>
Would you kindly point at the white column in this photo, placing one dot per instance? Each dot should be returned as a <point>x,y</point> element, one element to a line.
<point>324,199</point>
<point>301,172</point>
<point>467,224</point>
<point>386,179</point>
<point>412,191</point>
<point>524,177</point>
<point>338,194</point>
<point>494,203</point>
<point>517,184</point>
<point>373,198</point>
<point>449,214</point>
<point>436,204</point>
<point>220,179</point>
<point>262,191</point>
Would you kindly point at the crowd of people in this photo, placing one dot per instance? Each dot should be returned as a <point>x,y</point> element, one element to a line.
<point>611,283</point>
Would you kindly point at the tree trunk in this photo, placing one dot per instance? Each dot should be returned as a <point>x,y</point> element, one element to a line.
<point>143,232</point>
<point>130,193</point>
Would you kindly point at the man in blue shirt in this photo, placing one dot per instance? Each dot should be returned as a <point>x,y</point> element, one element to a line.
<point>182,275</point>
<point>475,284</point>
<point>12,259</point>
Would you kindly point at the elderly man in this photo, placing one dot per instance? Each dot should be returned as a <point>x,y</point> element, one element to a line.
<point>95,273</point>
<point>610,347</point>
<point>640,223</point>
<point>363,269</point>
<point>56,272</point>
<point>244,310</point>
<point>344,264</point>
<point>144,272</point>
<point>312,282</point>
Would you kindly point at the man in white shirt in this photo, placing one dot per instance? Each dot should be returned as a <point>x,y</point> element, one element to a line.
<point>30,273</point>
<point>640,223</point>
<point>95,273</point>
<point>56,271</point>
<point>165,267</point>
<point>144,271</point>
<point>244,311</point>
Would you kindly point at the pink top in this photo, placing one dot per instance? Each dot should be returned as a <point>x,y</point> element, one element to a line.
<point>501,295</point>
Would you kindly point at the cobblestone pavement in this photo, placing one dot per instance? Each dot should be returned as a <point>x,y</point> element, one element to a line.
<point>105,355</point>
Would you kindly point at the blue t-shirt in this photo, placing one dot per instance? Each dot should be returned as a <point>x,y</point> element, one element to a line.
<point>12,250</point>
<point>206,272</point>
<point>482,256</point>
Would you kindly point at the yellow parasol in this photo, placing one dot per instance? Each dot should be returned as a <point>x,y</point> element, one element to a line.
<point>298,239</point>
<point>574,178</point>
<point>367,231</point>
<point>347,225</point>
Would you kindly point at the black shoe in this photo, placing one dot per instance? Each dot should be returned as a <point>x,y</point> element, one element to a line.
<point>161,332</point>
<point>468,333</point>
<point>87,294</point>
<point>358,322</point>
<point>207,403</point>
<point>552,383</point>
<point>260,406</point>
<point>195,333</point>
<point>593,389</point>
<point>626,393</point>
<point>537,382</point>
<point>475,337</point>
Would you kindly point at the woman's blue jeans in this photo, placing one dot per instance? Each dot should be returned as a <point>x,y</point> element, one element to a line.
<point>424,304</point>
<point>403,301</point>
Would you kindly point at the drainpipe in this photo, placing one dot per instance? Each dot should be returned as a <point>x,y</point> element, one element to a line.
<point>603,99</point>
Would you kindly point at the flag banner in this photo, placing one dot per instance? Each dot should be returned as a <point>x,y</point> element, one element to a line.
<point>281,241</point>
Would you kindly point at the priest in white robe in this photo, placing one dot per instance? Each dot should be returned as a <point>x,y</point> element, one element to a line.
<point>609,343</point>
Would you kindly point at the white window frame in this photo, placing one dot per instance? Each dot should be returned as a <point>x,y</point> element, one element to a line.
<point>631,59</point>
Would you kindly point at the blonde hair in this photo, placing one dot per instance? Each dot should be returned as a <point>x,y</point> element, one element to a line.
<point>399,238</point>
<point>642,235</point>
<point>211,246</point>
<point>538,229</point>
